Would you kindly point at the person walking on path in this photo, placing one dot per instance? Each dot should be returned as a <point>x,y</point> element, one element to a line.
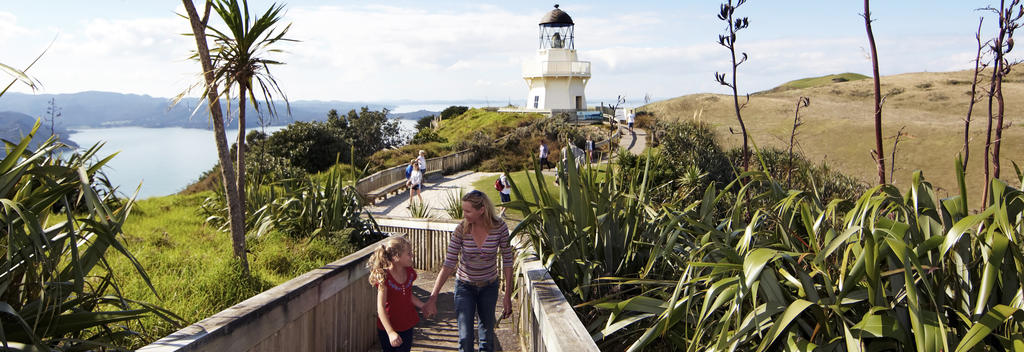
<point>472,255</point>
<point>630,119</point>
<point>392,274</point>
<point>422,160</point>
<point>544,155</point>
<point>590,149</point>
<point>505,192</point>
<point>415,181</point>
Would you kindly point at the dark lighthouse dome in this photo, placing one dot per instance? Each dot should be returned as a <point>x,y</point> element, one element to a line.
<point>556,18</point>
<point>556,30</point>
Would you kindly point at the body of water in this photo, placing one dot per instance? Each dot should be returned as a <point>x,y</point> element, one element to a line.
<point>163,160</point>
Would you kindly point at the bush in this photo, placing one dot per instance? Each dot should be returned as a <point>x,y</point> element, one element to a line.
<point>312,146</point>
<point>425,122</point>
<point>427,135</point>
<point>768,267</point>
<point>453,111</point>
<point>61,226</point>
<point>371,131</point>
<point>802,174</point>
<point>645,119</point>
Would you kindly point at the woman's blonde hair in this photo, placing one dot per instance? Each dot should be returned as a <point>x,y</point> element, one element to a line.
<point>415,164</point>
<point>384,256</point>
<point>480,200</point>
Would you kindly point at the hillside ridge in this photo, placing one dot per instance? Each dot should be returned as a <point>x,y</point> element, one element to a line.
<point>839,127</point>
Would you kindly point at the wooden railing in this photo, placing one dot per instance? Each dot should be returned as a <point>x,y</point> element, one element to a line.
<point>547,322</point>
<point>615,136</point>
<point>448,163</point>
<point>326,309</point>
<point>429,239</point>
<point>331,308</point>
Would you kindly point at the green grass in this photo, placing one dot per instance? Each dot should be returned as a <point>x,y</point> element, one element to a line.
<point>493,123</point>
<point>820,81</point>
<point>191,266</point>
<point>457,129</point>
<point>521,180</point>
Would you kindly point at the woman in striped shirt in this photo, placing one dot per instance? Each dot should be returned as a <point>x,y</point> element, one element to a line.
<point>472,256</point>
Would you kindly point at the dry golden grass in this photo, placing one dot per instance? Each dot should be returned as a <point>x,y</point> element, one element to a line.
<point>839,125</point>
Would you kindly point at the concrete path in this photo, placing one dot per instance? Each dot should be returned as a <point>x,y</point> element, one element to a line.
<point>635,142</point>
<point>435,195</point>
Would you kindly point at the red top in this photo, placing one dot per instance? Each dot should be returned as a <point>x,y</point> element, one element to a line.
<point>398,307</point>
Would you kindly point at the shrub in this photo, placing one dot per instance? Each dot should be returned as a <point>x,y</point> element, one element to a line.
<point>427,135</point>
<point>645,119</point>
<point>802,174</point>
<point>59,223</point>
<point>312,146</point>
<point>694,143</point>
<point>418,209</point>
<point>759,266</point>
<point>425,122</point>
<point>453,204</point>
<point>453,111</point>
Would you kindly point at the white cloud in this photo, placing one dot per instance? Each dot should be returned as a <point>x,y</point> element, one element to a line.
<point>9,27</point>
<point>382,52</point>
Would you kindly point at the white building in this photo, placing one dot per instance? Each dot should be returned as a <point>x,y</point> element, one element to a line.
<point>556,78</point>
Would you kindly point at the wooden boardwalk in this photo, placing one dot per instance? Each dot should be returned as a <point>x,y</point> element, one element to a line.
<point>441,333</point>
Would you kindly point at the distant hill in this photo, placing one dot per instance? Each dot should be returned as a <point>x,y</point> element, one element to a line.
<point>14,126</point>
<point>839,125</point>
<point>819,81</point>
<point>105,109</point>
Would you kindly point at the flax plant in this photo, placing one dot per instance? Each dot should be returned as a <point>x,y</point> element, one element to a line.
<point>898,271</point>
<point>59,222</point>
<point>453,204</point>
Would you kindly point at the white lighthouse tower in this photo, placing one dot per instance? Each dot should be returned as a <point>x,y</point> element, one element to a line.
<point>556,78</point>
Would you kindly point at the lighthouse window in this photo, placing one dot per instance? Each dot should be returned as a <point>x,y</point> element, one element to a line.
<point>536,101</point>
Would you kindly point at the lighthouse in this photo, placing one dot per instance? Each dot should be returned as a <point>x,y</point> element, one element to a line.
<point>555,76</point>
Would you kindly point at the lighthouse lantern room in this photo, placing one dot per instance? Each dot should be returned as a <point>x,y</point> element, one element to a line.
<point>556,78</point>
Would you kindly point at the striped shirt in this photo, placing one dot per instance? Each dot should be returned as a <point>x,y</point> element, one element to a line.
<point>478,263</point>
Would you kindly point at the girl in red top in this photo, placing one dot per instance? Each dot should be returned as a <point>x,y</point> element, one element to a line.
<point>392,273</point>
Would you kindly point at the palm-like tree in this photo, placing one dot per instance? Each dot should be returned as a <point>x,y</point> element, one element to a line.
<point>235,60</point>
<point>239,62</point>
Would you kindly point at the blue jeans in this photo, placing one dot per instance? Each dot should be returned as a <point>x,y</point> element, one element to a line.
<point>470,302</point>
<point>385,341</point>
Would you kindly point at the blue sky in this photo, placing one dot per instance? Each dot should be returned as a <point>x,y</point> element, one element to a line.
<point>448,50</point>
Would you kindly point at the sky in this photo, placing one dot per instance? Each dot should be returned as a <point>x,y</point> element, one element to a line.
<point>473,50</point>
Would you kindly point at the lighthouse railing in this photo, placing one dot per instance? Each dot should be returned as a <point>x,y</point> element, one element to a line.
<point>556,68</point>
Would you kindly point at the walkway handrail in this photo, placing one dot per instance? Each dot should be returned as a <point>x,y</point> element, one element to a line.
<point>447,163</point>
<point>329,308</point>
<point>547,322</point>
<point>617,134</point>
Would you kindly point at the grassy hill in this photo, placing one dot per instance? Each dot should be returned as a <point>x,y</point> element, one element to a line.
<point>456,129</point>
<point>839,126</point>
<point>819,81</point>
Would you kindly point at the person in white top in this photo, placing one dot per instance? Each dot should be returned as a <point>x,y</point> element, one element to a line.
<point>505,192</point>
<point>415,181</point>
<point>422,160</point>
<point>630,119</point>
<point>544,155</point>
